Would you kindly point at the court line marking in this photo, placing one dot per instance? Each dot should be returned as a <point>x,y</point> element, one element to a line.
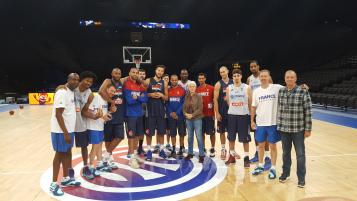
<point>330,155</point>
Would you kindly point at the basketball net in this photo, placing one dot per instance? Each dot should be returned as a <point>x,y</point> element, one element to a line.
<point>137,63</point>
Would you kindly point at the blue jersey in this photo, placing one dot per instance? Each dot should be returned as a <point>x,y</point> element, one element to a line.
<point>222,103</point>
<point>134,106</point>
<point>176,100</point>
<point>156,106</point>
<point>118,115</point>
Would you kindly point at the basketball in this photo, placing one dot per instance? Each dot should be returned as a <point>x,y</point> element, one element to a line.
<point>21,107</point>
<point>11,112</point>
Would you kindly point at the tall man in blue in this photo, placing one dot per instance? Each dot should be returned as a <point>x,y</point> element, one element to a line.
<point>63,122</point>
<point>114,129</point>
<point>175,114</point>
<point>135,96</point>
<point>221,107</point>
<point>158,93</point>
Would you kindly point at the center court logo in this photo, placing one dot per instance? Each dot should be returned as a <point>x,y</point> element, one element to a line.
<point>156,180</point>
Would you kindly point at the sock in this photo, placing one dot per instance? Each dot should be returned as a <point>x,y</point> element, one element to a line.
<point>246,154</point>
<point>65,178</point>
<point>91,166</point>
<point>173,148</point>
<point>182,147</point>
<point>161,147</point>
<point>267,154</point>
<point>149,147</point>
<point>273,167</point>
<point>223,146</point>
<point>232,152</point>
<point>257,148</point>
<point>141,144</point>
<point>261,165</point>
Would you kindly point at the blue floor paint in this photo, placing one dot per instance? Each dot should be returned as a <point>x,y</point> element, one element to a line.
<point>7,107</point>
<point>339,118</point>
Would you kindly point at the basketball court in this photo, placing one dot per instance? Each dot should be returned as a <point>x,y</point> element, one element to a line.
<point>26,155</point>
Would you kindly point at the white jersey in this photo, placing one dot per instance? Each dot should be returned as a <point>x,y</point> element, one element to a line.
<point>254,82</point>
<point>266,103</point>
<point>64,99</point>
<point>81,98</point>
<point>184,85</point>
<point>97,103</point>
<point>238,99</point>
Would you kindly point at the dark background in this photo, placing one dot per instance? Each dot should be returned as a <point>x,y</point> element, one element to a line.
<point>41,41</point>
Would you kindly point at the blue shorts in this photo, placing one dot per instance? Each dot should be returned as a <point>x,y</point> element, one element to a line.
<point>223,124</point>
<point>208,125</point>
<point>177,125</point>
<point>135,126</point>
<point>95,137</point>
<point>59,144</point>
<point>112,131</point>
<point>82,139</point>
<point>158,124</point>
<point>239,124</point>
<point>267,133</point>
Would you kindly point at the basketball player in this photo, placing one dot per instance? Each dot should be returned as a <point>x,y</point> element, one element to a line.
<point>142,76</point>
<point>62,133</point>
<point>135,96</point>
<point>254,82</point>
<point>221,108</point>
<point>208,128</point>
<point>114,128</point>
<point>96,129</point>
<point>166,78</point>
<point>158,93</point>
<point>175,113</point>
<point>83,95</point>
<point>264,105</point>
<point>239,99</point>
<point>184,78</point>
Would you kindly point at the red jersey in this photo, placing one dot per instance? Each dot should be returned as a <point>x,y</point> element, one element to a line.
<point>207,97</point>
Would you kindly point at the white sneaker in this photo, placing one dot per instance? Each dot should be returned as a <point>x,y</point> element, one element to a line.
<point>133,162</point>
<point>111,163</point>
<point>105,156</point>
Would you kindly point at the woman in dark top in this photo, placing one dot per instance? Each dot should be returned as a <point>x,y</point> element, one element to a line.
<point>192,109</point>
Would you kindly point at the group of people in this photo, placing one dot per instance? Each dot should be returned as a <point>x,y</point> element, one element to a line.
<point>168,106</point>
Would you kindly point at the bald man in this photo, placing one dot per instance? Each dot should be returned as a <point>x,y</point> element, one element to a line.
<point>114,129</point>
<point>294,124</point>
<point>63,122</point>
<point>221,107</point>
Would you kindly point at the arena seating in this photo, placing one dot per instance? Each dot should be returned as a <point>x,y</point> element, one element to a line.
<point>343,94</point>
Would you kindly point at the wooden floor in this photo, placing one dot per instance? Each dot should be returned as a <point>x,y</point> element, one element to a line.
<point>26,152</point>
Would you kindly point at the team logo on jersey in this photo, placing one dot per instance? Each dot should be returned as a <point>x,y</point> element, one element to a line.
<point>159,179</point>
<point>156,87</point>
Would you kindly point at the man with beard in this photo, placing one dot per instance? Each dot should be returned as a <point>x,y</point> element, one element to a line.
<point>114,129</point>
<point>158,93</point>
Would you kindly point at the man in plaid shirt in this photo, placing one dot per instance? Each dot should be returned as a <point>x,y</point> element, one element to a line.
<point>294,124</point>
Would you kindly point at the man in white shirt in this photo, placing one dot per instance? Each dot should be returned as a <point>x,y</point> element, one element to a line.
<point>254,82</point>
<point>63,122</point>
<point>95,129</point>
<point>184,79</point>
<point>264,105</point>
